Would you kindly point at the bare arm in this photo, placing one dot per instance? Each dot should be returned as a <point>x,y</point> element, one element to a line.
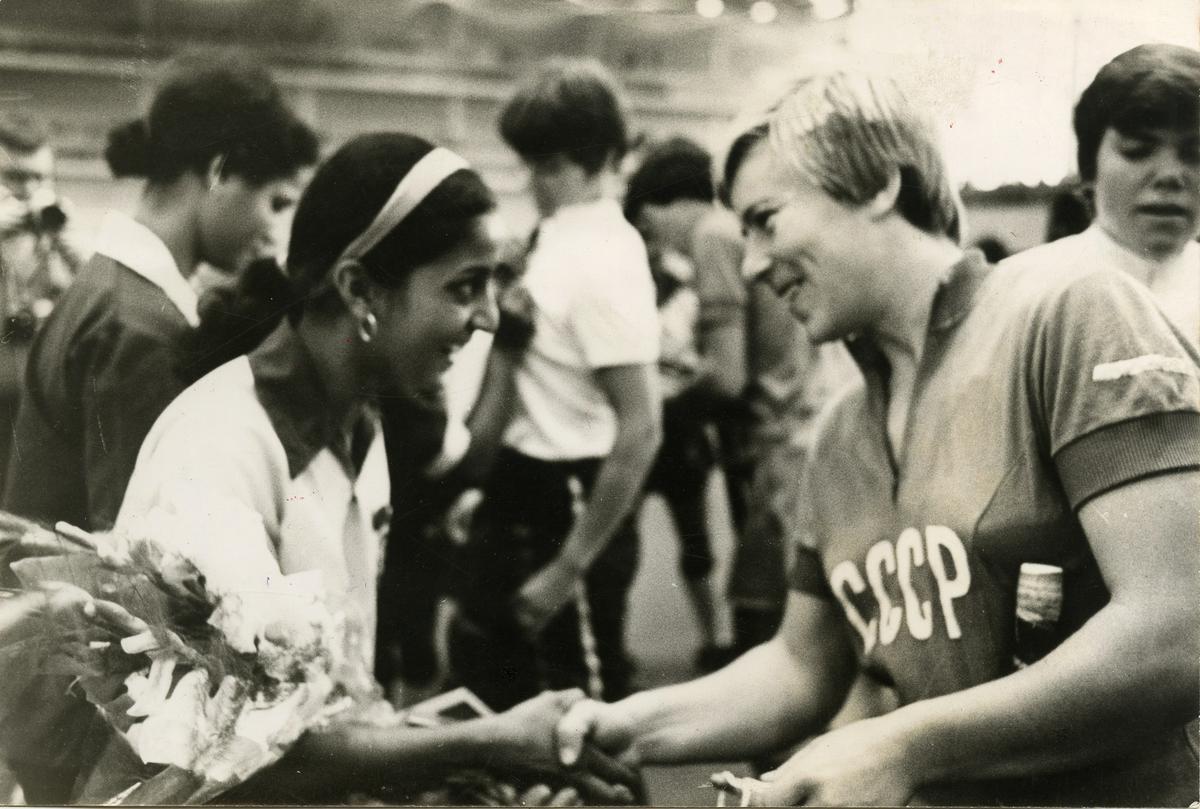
<point>1132,666</point>
<point>632,391</point>
<point>774,695</point>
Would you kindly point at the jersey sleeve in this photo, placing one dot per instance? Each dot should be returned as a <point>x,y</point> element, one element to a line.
<point>806,573</point>
<point>614,317</point>
<point>1116,386</point>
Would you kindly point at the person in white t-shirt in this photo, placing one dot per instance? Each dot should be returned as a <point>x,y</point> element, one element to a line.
<point>552,552</point>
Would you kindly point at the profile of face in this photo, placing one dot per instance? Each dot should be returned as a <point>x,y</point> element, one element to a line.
<point>810,244</point>
<point>240,220</point>
<point>556,181</point>
<point>1147,189</point>
<point>424,321</point>
<point>24,174</point>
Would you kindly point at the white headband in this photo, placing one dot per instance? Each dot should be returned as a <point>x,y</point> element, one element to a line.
<point>425,176</point>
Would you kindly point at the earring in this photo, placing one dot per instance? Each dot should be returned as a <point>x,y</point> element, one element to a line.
<point>368,327</point>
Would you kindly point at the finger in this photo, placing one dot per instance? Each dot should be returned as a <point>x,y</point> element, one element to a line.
<point>568,796</point>
<point>596,761</point>
<point>574,728</point>
<point>599,791</point>
<point>569,697</point>
<point>118,617</point>
<point>536,795</point>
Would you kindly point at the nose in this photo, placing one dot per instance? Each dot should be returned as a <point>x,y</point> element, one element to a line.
<point>1172,171</point>
<point>485,315</point>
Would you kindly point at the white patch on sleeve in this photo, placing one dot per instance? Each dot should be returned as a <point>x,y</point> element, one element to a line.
<point>1108,371</point>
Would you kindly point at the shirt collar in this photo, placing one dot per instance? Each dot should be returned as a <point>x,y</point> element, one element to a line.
<point>134,245</point>
<point>290,390</point>
<point>951,303</point>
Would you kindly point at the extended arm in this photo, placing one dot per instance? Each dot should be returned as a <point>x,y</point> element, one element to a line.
<point>774,695</point>
<point>1127,675</point>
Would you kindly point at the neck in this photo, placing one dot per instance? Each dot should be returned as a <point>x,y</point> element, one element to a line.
<point>915,265</point>
<point>590,189</point>
<point>169,212</point>
<point>1156,254</point>
<point>331,344</point>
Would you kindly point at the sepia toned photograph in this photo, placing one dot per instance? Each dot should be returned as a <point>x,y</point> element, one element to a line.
<point>600,402</point>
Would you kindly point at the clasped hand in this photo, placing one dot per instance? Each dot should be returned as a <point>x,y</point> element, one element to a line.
<point>526,741</point>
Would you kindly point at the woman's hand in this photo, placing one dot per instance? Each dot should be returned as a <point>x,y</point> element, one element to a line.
<point>861,764</point>
<point>544,595</point>
<point>524,741</point>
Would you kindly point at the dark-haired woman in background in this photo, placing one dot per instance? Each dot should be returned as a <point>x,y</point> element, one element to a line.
<point>221,154</point>
<point>389,271</point>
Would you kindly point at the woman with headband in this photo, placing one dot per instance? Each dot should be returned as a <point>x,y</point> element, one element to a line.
<point>390,271</point>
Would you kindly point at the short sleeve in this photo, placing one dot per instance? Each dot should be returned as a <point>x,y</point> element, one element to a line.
<point>1117,387</point>
<point>614,318</point>
<point>807,574</point>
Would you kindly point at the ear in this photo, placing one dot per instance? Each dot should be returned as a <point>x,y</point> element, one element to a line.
<point>215,172</point>
<point>354,287</point>
<point>884,202</point>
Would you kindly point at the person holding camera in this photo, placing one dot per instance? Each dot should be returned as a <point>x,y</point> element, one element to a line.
<point>39,253</point>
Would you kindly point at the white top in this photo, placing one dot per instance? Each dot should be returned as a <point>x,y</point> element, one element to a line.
<point>1175,283</point>
<point>214,459</point>
<point>131,243</point>
<point>590,279</point>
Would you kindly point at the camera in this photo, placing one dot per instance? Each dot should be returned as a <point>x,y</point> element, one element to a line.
<point>45,215</point>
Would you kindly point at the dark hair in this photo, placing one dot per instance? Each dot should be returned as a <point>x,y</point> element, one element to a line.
<point>571,109</point>
<point>1147,87</point>
<point>1069,213</point>
<point>993,248</point>
<point>739,150</point>
<point>20,132</point>
<point>209,106</point>
<point>343,198</point>
<point>675,169</point>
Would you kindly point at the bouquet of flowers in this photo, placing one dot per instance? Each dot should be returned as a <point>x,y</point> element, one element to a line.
<point>234,660</point>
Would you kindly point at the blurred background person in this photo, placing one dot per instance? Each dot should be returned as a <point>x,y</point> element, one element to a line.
<point>553,551</point>
<point>40,251</point>
<point>1069,213</point>
<point>993,248</point>
<point>221,154</point>
<point>696,258</point>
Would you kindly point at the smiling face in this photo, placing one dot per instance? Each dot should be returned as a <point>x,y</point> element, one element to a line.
<point>425,320</point>
<point>1148,189</point>
<point>811,242</point>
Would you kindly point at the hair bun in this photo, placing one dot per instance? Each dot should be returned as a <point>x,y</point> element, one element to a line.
<point>128,149</point>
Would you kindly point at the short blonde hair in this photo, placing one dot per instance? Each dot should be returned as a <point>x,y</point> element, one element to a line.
<point>845,132</point>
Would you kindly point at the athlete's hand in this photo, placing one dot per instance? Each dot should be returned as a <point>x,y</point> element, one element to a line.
<point>544,595</point>
<point>861,764</point>
<point>602,724</point>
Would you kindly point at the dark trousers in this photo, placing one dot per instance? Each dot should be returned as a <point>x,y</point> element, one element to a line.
<point>526,515</point>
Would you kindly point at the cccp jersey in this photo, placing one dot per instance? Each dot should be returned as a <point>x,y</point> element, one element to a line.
<point>1040,388</point>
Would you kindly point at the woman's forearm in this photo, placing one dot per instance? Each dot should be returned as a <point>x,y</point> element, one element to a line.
<point>1126,675</point>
